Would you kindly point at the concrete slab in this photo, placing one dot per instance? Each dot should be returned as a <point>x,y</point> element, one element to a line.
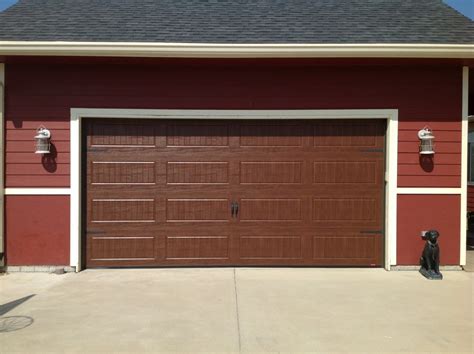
<point>469,267</point>
<point>128,311</point>
<point>334,310</point>
<point>232,310</point>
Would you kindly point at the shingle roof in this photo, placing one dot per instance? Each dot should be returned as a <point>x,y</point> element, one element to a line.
<point>237,21</point>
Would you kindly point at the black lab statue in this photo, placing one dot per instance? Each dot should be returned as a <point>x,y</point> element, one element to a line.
<point>429,260</point>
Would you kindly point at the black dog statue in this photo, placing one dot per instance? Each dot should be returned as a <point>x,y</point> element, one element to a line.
<point>429,260</point>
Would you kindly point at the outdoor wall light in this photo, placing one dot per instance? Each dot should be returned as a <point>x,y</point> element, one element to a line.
<point>426,141</point>
<point>42,141</point>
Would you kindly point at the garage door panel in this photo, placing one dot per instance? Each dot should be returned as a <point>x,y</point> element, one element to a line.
<point>309,192</point>
<point>122,248</point>
<point>263,172</point>
<point>345,209</point>
<point>265,135</point>
<point>271,209</point>
<point>347,134</point>
<point>136,210</point>
<point>277,247</point>
<point>197,210</point>
<point>197,247</point>
<point>340,249</point>
<point>197,134</point>
<point>122,172</point>
<point>338,172</point>
<point>121,134</point>
<point>197,172</point>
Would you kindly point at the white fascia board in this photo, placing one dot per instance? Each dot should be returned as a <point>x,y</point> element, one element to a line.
<point>209,50</point>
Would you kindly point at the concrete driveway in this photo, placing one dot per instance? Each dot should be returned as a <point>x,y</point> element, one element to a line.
<point>236,310</point>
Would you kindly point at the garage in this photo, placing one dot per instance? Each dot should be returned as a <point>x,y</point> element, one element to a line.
<point>233,192</point>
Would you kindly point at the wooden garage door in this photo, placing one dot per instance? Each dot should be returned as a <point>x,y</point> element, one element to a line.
<point>234,192</point>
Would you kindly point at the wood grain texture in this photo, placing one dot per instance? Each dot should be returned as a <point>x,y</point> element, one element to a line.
<point>174,203</point>
<point>470,198</point>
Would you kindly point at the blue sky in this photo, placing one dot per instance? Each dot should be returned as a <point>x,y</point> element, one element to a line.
<point>6,3</point>
<point>466,7</point>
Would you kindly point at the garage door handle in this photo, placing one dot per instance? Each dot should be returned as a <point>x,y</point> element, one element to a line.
<point>234,209</point>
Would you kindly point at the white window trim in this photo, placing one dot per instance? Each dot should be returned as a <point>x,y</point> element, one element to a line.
<point>391,115</point>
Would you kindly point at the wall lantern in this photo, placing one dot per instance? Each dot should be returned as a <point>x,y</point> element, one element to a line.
<point>426,141</point>
<point>42,140</point>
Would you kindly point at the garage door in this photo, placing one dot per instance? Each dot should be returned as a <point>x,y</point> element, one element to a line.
<point>166,193</point>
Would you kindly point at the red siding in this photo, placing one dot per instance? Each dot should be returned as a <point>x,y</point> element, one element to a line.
<point>37,230</point>
<point>423,212</point>
<point>43,94</point>
<point>424,95</point>
<point>470,198</point>
<point>24,167</point>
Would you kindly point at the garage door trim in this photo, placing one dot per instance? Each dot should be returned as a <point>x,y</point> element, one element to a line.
<point>391,115</point>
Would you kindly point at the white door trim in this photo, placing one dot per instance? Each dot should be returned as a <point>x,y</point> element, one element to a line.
<point>77,114</point>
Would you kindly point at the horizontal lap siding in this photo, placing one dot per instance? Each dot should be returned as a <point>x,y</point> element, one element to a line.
<point>27,169</point>
<point>44,95</point>
<point>443,169</point>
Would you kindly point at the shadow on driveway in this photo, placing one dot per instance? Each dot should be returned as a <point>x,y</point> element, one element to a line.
<point>14,323</point>
<point>12,304</point>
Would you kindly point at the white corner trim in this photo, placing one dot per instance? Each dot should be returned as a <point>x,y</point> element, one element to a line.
<point>75,206</point>
<point>2,157</point>
<point>391,115</point>
<point>464,158</point>
<point>391,190</point>
<point>209,50</point>
<point>37,191</point>
<point>423,190</point>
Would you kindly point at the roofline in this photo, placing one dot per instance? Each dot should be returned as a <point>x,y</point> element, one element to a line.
<point>209,50</point>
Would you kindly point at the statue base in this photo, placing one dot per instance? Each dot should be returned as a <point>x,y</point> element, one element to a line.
<point>431,275</point>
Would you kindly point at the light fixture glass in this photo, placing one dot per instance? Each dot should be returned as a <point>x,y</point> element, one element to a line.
<point>426,141</point>
<point>42,140</point>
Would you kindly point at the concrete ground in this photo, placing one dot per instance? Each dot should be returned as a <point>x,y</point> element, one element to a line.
<point>236,310</point>
<point>469,267</point>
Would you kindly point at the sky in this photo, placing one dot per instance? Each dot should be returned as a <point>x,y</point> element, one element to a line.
<point>6,3</point>
<point>465,7</point>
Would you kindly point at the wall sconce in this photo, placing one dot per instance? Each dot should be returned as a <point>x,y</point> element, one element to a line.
<point>426,141</point>
<point>42,141</point>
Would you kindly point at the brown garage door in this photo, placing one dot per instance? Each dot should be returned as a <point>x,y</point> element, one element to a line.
<point>234,192</point>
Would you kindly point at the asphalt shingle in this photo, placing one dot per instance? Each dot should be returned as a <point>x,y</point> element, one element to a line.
<point>236,21</point>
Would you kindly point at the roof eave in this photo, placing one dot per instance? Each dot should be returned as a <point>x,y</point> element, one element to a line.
<point>210,50</point>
